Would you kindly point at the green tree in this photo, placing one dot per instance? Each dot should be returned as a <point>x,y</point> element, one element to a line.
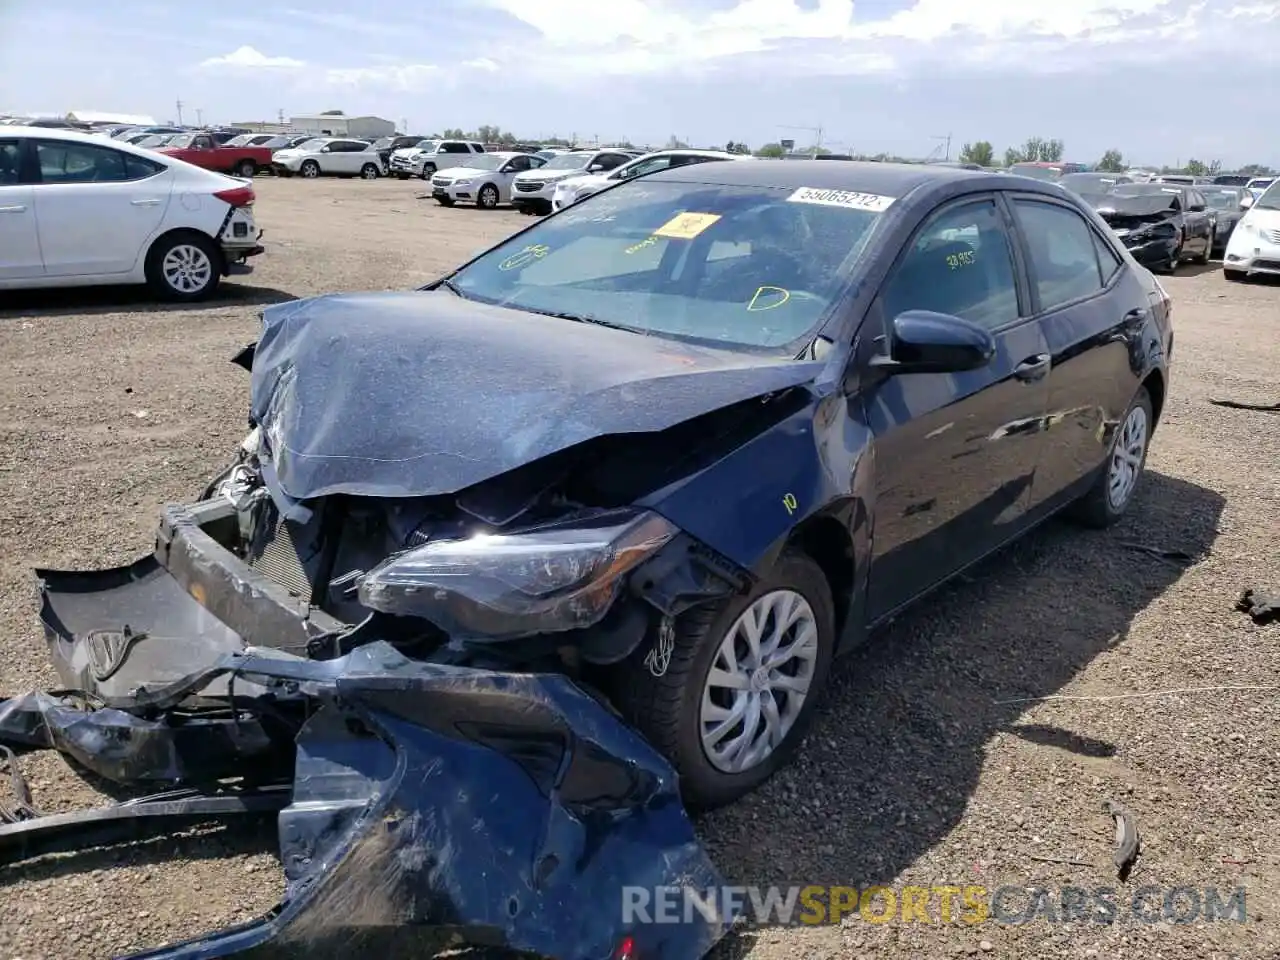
<point>1012,155</point>
<point>1112,162</point>
<point>981,153</point>
<point>1052,150</point>
<point>1196,168</point>
<point>736,147</point>
<point>454,133</point>
<point>1255,170</point>
<point>1032,149</point>
<point>771,150</point>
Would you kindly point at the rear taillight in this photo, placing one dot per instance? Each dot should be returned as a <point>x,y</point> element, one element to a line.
<point>237,196</point>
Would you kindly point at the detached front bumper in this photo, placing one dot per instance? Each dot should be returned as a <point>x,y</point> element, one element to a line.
<point>415,801</point>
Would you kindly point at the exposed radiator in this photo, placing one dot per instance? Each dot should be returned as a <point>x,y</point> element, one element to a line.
<point>281,562</point>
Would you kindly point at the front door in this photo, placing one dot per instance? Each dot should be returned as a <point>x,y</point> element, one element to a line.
<point>95,207</point>
<point>955,455</point>
<point>19,243</point>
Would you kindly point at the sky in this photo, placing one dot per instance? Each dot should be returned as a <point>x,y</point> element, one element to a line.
<point>1160,80</point>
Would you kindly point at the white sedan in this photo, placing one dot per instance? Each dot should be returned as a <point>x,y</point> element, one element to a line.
<point>77,210</point>
<point>484,180</point>
<point>573,189</point>
<point>329,156</point>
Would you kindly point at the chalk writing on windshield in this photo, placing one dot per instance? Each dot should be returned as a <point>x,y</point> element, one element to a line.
<point>526,256</point>
<point>768,298</point>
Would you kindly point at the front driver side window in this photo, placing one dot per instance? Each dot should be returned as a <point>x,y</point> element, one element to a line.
<point>961,264</point>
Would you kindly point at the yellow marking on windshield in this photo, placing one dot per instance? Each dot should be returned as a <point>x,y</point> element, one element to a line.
<point>768,291</point>
<point>957,260</point>
<point>686,226</point>
<point>526,256</point>
<point>637,247</point>
<point>789,501</point>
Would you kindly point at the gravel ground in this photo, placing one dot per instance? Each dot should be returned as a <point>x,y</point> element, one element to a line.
<point>916,773</point>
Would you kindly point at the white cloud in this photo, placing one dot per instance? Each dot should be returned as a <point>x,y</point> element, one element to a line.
<point>402,78</point>
<point>640,36</point>
<point>247,58</point>
<point>481,63</point>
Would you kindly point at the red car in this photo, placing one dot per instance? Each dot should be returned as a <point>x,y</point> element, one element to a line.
<point>202,150</point>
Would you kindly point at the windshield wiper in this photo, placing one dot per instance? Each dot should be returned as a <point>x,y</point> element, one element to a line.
<point>452,288</point>
<point>583,318</point>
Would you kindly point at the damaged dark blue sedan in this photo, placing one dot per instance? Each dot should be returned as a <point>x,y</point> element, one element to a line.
<point>646,466</point>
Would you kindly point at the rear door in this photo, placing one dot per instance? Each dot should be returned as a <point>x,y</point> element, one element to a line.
<point>1091,309</point>
<point>343,157</point>
<point>955,454</point>
<point>19,240</point>
<point>96,207</point>
<point>1200,221</point>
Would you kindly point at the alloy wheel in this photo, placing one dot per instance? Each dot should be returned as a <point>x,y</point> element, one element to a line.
<point>758,681</point>
<point>1127,458</point>
<point>186,268</point>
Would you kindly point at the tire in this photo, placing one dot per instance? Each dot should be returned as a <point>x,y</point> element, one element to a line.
<point>1235,276</point>
<point>1098,508</point>
<point>1207,256</point>
<point>667,710</point>
<point>370,171</point>
<point>184,267</point>
<point>428,171</point>
<point>445,201</point>
<point>309,169</point>
<point>487,198</point>
<point>402,176</point>
<point>246,169</point>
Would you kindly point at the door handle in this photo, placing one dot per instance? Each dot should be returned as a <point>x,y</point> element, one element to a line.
<point>14,208</point>
<point>1032,368</point>
<point>145,203</point>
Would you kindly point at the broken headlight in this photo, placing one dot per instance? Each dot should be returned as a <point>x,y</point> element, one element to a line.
<point>505,585</point>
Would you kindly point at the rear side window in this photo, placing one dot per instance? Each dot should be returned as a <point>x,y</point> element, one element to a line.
<point>10,154</point>
<point>454,148</point>
<point>1108,260</point>
<point>70,162</point>
<point>1063,250</point>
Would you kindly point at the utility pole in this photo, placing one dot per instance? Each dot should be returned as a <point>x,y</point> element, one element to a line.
<point>946,139</point>
<point>179,112</point>
<point>199,117</point>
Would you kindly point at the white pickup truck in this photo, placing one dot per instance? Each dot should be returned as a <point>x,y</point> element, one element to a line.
<point>425,157</point>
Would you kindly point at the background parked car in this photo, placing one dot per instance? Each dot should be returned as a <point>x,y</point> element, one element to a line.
<point>329,157</point>
<point>427,156</point>
<point>1254,247</point>
<point>572,189</point>
<point>201,150</point>
<point>78,210</point>
<point>1228,205</point>
<point>1093,185</point>
<point>386,146</point>
<point>1231,179</point>
<point>1258,185</point>
<point>532,191</point>
<point>1184,180</point>
<point>485,179</point>
<point>1161,224</point>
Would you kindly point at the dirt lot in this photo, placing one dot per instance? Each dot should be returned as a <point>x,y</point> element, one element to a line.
<point>919,771</point>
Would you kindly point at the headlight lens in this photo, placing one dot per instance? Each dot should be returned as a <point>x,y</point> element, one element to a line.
<point>462,183</point>
<point>506,585</point>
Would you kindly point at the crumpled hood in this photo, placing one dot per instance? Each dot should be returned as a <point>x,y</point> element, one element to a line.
<point>423,393</point>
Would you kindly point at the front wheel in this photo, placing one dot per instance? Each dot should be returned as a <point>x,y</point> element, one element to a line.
<point>428,171</point>
<point>370,171</point>
<point>184,268</point>
<point>740,685</point>
<point>1111,494</point>
<point>487,198</point>
<point>1207,255</point>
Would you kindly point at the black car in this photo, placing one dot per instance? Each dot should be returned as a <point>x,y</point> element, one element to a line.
<point>387,145</point>
<point>1093,185</point>
<point>1161,224</point>
<point>1231,179</point>
<point>683,441</point>
<point>1229,205</point>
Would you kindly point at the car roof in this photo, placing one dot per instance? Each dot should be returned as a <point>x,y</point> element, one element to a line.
<point>887,179</point>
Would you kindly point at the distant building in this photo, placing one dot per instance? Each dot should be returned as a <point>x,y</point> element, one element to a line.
<point>338,125</point>
<point>95,116</point>
<point>265,126</point>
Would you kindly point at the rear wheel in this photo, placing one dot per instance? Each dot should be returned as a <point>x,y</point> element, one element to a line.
<point>184,267</point>
<point>246,168</point>
<point>487,198</point>
<point>1111,494</point>
<point>1207,255</point>
<point>741,684</point>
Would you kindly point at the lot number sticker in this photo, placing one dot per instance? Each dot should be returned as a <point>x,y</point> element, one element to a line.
<point>686,226</point>
<point>871,202</point>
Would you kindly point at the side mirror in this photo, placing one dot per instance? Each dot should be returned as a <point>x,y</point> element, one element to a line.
<point>926,342</point>
<point>1197,208</point>
<point>1246,201</point>
<point>325,150</point>
<point>595,168</point>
